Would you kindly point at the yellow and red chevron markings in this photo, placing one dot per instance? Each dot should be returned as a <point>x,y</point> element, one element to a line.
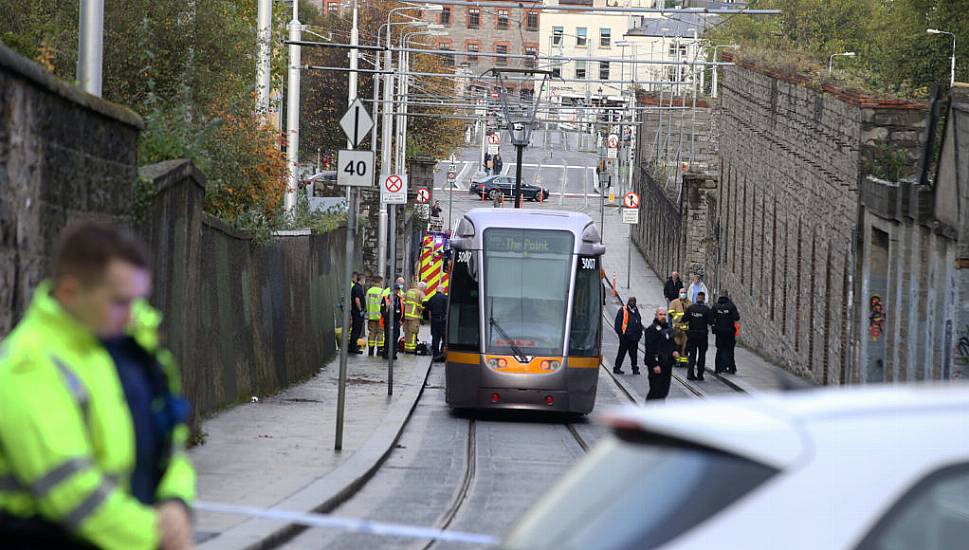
<point>432,265</point>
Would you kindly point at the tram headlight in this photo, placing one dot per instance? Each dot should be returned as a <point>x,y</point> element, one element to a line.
<point>493,363</point>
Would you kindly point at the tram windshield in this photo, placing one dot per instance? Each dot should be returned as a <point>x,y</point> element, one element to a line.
<point>527,274</point>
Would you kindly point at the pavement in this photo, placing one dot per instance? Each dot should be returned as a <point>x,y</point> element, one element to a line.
<point>754,373</point>
<point>278,452</point>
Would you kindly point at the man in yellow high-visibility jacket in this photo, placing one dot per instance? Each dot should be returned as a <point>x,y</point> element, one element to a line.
<point>413,311</point>
<point>375,328</point>
<point>92,423</point>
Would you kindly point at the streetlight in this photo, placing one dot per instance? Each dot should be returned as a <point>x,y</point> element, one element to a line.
<point>831,59</point>
<point>952,70</point>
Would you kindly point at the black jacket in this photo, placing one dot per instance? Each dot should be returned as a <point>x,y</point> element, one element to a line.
<point>672,288</point>
<point>725,314</point>
<point>634,330</point>
<point>659,345</point>
<point>699,317</point>
<point>437,307</point>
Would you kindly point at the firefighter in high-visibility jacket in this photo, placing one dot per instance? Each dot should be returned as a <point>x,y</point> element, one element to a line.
<point>413,311</point>
<point>375,325</point>
<point>92,423</point>
<point>677,310</point>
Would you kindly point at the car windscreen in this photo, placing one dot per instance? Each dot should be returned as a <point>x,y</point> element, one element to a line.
<point>635,495</point>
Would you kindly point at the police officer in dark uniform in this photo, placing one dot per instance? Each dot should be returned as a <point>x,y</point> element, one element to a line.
<point>629,328</point>
<point>393,312</point>
<point>725,314</point>
<point>357,311</point>
<point>699,317</point>
<point>437,309</point>
<point>661,353</point>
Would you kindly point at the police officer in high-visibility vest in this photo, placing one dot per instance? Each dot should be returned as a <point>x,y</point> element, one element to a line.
<point>413,311</point>
<point>92,423</point>
<point>375,328</point>
<point>677,311</point>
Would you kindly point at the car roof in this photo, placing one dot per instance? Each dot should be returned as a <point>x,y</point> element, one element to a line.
<point>774,427</point>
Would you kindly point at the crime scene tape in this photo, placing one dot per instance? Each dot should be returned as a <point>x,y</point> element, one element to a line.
<point>354,525</point>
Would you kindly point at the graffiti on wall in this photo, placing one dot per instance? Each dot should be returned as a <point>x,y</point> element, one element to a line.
<point>876,317</point>
<point>963,347</point>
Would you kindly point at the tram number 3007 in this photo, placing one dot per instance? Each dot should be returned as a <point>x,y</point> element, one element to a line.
<point>464,256</point>
<point>588,263</point>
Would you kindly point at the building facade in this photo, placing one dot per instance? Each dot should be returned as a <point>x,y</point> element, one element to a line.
<point>479,36</point>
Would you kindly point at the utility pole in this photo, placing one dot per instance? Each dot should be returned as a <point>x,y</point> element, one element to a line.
<point>292,111</point>
<point>351,238</point>
<point>264,36</point>
<point>90,51</point>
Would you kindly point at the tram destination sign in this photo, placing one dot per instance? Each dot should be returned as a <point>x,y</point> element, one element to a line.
<point>531,242</point>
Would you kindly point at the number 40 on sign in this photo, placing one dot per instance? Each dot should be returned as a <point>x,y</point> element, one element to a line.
<point>355,168</point>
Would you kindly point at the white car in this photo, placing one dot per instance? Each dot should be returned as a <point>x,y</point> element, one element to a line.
<point>874,468</point>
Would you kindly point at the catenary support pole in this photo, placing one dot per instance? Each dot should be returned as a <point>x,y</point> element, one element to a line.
<point>263,36</point>
<point>91,46</point>
<point>518,175</point>
<point>292,113</point>
<point>348,261</point>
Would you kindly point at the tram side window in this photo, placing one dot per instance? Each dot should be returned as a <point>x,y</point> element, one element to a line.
<point>463,315</point>
<point>587,309</point>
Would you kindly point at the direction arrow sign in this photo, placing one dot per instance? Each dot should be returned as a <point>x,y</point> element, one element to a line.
<point>356,123</point>
<point>393,189</point>
<point>423,195</point>
<point>631,200</point>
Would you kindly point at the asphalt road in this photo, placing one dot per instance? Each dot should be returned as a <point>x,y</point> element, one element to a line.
<point>555,160</point>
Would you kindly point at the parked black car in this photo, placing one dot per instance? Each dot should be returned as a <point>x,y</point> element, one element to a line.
<point>490,186</point>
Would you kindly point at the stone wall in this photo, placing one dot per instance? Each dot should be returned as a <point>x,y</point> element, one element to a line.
<point>241,319</point>
<point>677,234</point>
<point>64,154</point>
<point>792,162</point>
<point>671,132</point>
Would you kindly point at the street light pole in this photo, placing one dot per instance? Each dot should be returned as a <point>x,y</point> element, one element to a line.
<point>351,238</point>
<point>952,70</point>
<point>292,111</point>
<point>264,36</point>
<point>91,46</point>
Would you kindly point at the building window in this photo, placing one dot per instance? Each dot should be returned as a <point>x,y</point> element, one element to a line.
<point>580,70</point>
<point>502,19</point>
<point>681,48</point>
<point>603,70</point>
<point>605,37</point>
<point>581,36</point>
<point>531,62</point>
<point>531,21</point>
<point>557,33</point>
<point>556,72</point>
<point>473,50</point>
<point>672,74</point>
<point>474,18</point>
<point>446,16</point>
<point>501,49</point>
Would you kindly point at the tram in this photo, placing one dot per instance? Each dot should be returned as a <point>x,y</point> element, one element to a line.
<point>524,311</point>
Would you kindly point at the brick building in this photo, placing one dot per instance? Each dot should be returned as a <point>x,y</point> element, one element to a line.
<point>473,31</point>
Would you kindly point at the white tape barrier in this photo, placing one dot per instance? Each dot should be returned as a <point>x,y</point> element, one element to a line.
<point>348,524</point>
